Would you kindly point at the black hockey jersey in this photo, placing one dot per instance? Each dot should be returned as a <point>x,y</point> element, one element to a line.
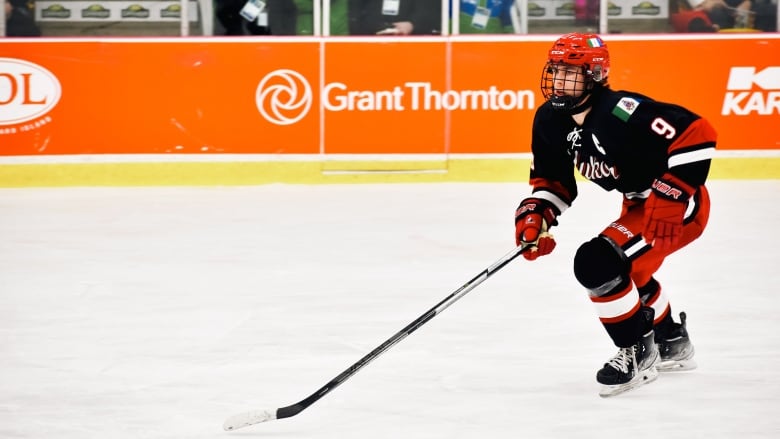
<point>625,142</point>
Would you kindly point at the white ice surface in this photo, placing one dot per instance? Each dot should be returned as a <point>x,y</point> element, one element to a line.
<point>157,313</point>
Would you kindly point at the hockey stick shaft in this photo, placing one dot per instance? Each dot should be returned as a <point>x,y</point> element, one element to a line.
<point>258,416</point>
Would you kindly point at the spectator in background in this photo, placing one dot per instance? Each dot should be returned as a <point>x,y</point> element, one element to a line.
<point>279,17</point>
<point>684,18</point>
<point>394,17</point>
<point>739,14</point>
<point>19,20</point>
<point>586,12</point>
<point>228,13</point>
<point>766,15</point>
<point>283,16</point>
<point>699,24</point>
<point>486,16</point>
<point>726,14</point>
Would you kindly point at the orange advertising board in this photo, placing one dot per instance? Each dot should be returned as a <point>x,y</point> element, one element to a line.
<point>350,96</point>
<point>119,97</point>
<point>735,83</point>
<point>373,97</point>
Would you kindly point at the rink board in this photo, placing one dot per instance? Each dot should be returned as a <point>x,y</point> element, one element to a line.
<point>219,111</point>
<point>232,173</point>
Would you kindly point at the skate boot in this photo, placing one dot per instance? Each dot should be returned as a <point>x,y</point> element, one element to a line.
<point>675,348</point>
<point>632,367</point>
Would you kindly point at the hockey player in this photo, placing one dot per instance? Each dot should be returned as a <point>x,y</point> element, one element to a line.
<point>658,156</point>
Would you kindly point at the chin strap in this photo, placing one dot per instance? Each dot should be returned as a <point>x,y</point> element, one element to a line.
<point>571,106</point>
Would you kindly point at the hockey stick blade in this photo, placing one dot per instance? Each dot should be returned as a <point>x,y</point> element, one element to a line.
<point>253,417</point>
<point>258,416</point>
<point>248,418</point>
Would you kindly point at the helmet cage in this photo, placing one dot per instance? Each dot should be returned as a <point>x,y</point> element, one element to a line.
<point>586,51</point>
<point>583,81</point>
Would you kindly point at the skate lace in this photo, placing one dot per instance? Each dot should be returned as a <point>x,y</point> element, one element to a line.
<point>622,359</point>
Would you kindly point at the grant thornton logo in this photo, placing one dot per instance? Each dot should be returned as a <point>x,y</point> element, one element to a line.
<point>283,97</point>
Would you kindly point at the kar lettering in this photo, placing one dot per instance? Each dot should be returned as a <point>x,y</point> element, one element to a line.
<point>752,91</point>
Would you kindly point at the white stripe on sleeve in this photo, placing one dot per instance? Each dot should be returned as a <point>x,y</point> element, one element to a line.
<point>691,157</point>
<point>551,197</point>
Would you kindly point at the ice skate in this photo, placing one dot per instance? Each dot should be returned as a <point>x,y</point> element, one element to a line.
<point>676,349</point>
<point>632,367</point>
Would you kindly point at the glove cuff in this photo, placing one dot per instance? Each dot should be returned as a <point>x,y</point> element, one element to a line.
<point>539,206</point>
<point>672,188</point>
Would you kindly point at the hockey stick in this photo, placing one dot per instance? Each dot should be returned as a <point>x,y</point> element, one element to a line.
<point>257,416</point>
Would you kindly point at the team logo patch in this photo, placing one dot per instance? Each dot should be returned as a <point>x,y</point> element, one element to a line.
<point>625,108</point>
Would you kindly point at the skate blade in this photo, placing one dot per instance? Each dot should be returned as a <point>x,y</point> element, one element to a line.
<point>646,377</point>
<point>676,365</point>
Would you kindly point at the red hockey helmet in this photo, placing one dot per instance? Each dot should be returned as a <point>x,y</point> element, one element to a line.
<point>587,51</point>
